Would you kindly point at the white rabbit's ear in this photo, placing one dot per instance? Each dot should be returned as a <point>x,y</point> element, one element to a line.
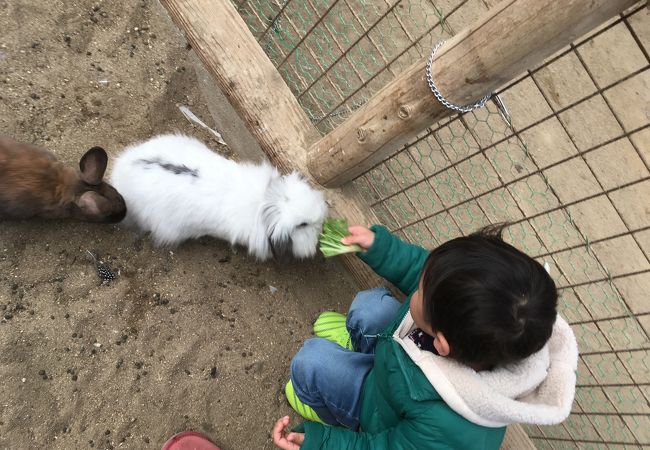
<point>547,267</point>
<point>281,248</point>
<point>279,239</point>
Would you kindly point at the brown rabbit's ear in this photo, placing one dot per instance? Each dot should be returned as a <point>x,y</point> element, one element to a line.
<point>93,165</point>
<point>93,205</point>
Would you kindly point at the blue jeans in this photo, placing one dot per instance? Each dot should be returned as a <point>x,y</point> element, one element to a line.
<point>328,377</point>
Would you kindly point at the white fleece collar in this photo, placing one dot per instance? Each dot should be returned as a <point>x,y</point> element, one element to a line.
<point>537,390</point>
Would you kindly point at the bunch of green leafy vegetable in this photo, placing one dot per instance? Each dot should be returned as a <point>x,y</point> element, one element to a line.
<point>330,239</point>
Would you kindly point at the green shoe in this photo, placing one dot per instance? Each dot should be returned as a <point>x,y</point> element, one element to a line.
<point>304,410</point>
<point>331,326</point>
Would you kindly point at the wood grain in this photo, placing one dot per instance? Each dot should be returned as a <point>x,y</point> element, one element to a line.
<point>514,36</point>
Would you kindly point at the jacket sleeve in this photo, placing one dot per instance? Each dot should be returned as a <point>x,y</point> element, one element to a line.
<point>436,427</point>
<point>395,260</point>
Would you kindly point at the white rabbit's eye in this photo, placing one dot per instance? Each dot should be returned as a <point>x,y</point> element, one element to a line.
<point>303,225</point>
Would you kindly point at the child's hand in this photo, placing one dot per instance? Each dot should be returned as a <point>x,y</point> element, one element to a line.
<point>361,236</point>
<point>283,440</point>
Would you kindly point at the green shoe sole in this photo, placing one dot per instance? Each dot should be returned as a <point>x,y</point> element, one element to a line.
<point>331,326</point>
<point>305,411</point>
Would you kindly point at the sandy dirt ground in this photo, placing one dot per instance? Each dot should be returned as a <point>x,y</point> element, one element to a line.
<point>197,337</point>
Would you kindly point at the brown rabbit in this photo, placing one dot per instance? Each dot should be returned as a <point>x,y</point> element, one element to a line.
<point>34,184</point>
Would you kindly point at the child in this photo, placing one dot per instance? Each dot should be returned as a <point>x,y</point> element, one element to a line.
<point>476,346</point>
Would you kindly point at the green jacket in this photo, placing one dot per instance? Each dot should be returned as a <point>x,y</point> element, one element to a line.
<point>399,408</point>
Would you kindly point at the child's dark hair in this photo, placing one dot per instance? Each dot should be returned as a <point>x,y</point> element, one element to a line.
<point>493,303</point>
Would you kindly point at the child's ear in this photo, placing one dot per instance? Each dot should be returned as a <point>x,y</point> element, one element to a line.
<point>441,344</point>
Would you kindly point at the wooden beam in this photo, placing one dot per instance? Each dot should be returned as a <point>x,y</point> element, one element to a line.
<point>262,99</point>
<point>514,36</point>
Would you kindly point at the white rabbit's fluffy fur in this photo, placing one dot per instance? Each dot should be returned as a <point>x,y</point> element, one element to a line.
<point>177,188</point>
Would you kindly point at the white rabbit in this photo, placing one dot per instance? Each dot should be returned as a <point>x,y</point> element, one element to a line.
<point>177,188</point>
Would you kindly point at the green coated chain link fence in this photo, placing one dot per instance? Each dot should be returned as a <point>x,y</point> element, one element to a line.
<point>569,167</point>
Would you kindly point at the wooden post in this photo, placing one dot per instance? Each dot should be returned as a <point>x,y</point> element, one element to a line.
<point>513,36</point>
<point>260,96</point>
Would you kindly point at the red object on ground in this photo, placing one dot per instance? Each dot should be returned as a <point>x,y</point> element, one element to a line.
<point>189,440</point>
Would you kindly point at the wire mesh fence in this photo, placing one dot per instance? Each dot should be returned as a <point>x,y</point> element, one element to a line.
<point>569,167</point>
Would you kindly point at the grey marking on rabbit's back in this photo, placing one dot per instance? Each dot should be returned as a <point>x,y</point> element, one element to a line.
<point>175,169</point>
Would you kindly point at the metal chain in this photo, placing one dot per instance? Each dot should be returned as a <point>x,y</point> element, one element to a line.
<point>439,96</point>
